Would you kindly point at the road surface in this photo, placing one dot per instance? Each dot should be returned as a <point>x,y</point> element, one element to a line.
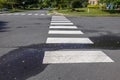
<point>35,45</point>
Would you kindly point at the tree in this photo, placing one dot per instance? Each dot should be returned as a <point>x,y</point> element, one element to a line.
<point>6,3</point>
<point>76,4</point>
<point>113,2</point>
<point>2,2</point>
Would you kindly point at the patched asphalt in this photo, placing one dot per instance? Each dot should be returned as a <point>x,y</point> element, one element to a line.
<point>22,48</point>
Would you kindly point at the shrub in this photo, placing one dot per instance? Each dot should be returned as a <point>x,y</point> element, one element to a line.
<point>113,11</point>
<point>93,6</point>
<point>84,4</point>
<point>76,4</point>
<point>102,6</point>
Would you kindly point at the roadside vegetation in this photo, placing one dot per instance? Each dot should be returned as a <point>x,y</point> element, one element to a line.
<point>68,7</point>
<point>84,12</point>
<point>82,7</point>
<point>21,5</point>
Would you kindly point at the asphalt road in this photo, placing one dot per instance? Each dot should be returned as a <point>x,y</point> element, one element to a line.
<point>23,47</point>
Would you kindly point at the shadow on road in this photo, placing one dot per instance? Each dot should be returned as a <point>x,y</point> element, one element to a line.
<point>2,26</point>
<point>25,62</point>
<point>21,64</point>
<point>107,42</point>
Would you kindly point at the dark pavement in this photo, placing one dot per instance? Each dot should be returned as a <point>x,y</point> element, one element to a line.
<point>23,46</point>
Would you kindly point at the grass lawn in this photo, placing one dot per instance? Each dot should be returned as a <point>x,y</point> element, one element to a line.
<point>15,10</point>
<point>84,12</point>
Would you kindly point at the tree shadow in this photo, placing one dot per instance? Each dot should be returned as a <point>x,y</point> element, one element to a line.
<point>2,26</point>
<point>21,64</point>
<point>110,42</point>
<point>27,61</point>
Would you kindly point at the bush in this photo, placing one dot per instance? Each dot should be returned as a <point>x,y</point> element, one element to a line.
<point>113,11</point>
<point>93,6</point>
<point>76,4</point>
<point>84,4</point>
<point>102,6</point>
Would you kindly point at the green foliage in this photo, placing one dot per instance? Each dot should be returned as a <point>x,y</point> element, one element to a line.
<point>76,4</point>
<point>115,3</point>
<point>84,4</point>
<point>102,6</point>
<point>110,1</point>
<point>17,3</point>
<point>68,4</point>
<point>112,11</point>
<point>59,4</point>
<point>93,6</point>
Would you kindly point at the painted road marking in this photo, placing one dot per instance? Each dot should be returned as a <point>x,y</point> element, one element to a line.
<point>59,19</point>
<point>30,14</point>
<point>63,27</point>
<point>55,57</point>
<point>36,14</point>
<point>23,14</point>
<point>16,13</point>
<point>69,40</point>
<point>61,23</point>
<point>8,14</point>
<point>58,16</point>
<point>58,57</point>
<point>48,14</point>
<point>64,32</point>
<point>42,14</point>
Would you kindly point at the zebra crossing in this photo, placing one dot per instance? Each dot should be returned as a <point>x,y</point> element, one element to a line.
<point>24,14</point>
<point>57,26</point>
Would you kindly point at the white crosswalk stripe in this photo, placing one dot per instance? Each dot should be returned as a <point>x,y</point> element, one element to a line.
<point>64,32</point>
<point>61,23</point>
<point>70,56</point>
<point>16,14</point>
<point>69,40</point>
<point>63,27</point>
<point>24,14</point>
<point>42,14</point>
<point>30,14</point>
<point>52,57</point>
<point>60,19</point>
<point>36,14</point>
